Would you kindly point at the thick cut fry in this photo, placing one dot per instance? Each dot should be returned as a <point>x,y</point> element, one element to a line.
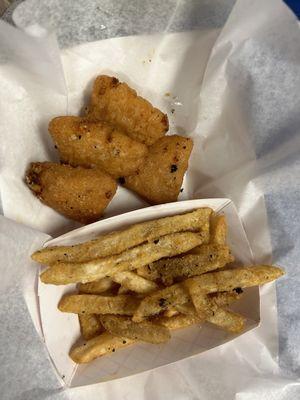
<point>189,315</point>
<point>169,245</point>
<point>89,144</point>
<point>78,193</point>
<point>144,331</point>
<point>178,321</point>
<point>90,326</point>
<point>236,278</point>
<point>96,304</point>
<point>118,104</point>
<point>228,320</point>
<point>218,229</point>
<point>160,301</point>
<point>98,346</point>
<point>210,257</point>
<point>96,287</point>
<point>131,281</point>
<point>221,299</point>
<point>160,177</point>
<point>117,242</point>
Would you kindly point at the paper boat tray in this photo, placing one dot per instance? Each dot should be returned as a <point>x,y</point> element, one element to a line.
<point>61,330</point>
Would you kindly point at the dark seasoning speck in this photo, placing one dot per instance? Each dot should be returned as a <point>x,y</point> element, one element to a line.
<point>173,168</point>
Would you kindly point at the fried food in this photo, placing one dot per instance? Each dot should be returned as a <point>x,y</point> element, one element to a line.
<point>97,304</point>
<point>209,257</point>
<point>125,327</point>
<point>218,229</point>
<point>160,177</point>
<point>117,242</point>
<point>131,281</point>
<point>97,347</point>
<point>190,317</point>
<point>90,326</point>
<point>62,273</point>
<point>236,278</point>
<point>85,143</point>
<point>77,193</point>
<point>119,105</point>
<point>96,287</point>
<point>160,301</point>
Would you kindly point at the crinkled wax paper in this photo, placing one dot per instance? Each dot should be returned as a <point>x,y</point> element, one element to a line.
<point>235,89</point>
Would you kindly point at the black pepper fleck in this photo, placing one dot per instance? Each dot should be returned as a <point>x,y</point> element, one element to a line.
<point>173,110</point>
<point>79,137</point>
<point>156,241</point>
<point>174,168</point>
<point>124,341</point>
<point>162,302</point>
<point>55,146</point>
<point>113,350</point>
<point>238,290</point>
<point>121,180</point>
<point>181,190</point>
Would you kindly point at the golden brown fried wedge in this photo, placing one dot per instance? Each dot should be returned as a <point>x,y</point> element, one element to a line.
<point>63,273</point>
<point>96,287</point>
<point>209,257</point>
<point>131,281</point>
<point>218,229</point>
<point>98,346</point>
<point>78,193</point>
<point>236,278</point>
<point>160,177</point>
<point>144,331</point>
<point>90,326</point>
<point>118,104</point>
<point>96,304</point>
<point>89,144</point>
<point>160,301</point>
<point>117,242</point>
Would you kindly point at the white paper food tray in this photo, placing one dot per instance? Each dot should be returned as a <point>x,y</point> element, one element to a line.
<point>61,330</point>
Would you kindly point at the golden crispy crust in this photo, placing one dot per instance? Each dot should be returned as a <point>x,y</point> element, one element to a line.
<point>118,104</point>
<point>78,193</point>
<point>160,178</point>
<point>85,143</point>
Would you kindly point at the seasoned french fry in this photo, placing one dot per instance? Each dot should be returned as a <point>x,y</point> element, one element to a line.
<point>208,309</point>
<point>131,281</point>
<point>178,321</point>
<point>218,229</point>
<point>117,242</point>
<point>236,278</point>
<point>96,287</point>
<point>227,320</point>
<point>144,331</point>
<point>210,257</point>
<point>96,304</point>
<point>189,315</point>
<point>160,301</point>
<point>169,245</point>
<point>90,325</point>
<point>98,346</point>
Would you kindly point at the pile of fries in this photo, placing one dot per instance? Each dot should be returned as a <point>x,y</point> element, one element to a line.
<point>153,277</point>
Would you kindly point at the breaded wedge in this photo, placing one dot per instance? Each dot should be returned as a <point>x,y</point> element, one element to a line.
<point>118,104</point>
<point>85,143</point>
<point>159,179</point>
<point>78,193</point>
